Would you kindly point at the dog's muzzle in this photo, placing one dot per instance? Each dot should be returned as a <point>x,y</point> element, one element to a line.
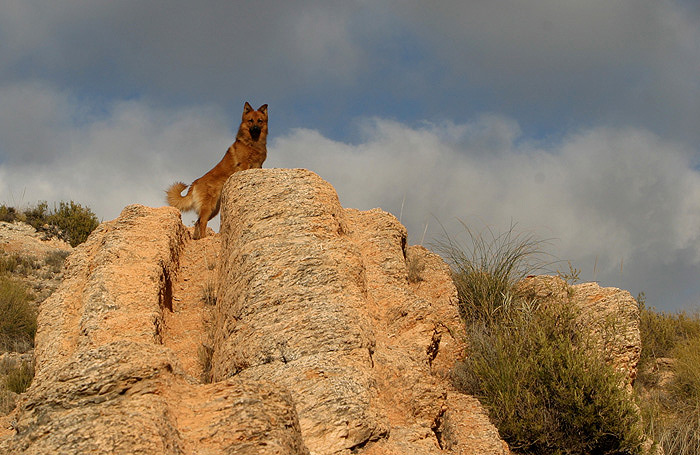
<point>255,132</point>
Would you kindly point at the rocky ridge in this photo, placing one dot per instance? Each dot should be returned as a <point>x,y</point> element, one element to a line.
<point>319,342</point>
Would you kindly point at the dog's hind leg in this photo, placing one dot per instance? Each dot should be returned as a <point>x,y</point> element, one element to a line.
<point>207,211</point>
<point>200,228</point>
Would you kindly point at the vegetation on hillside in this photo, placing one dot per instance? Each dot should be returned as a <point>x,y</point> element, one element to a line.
<point>69,221</point>
<point>668,383</point>
<point>18,306</point>
<point>17,316</point>
<point>545,390</point>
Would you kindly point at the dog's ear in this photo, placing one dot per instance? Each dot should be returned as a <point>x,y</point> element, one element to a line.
<point>247,108</point>
<point>263,109</point>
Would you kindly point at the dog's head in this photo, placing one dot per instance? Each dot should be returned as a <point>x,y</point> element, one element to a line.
<point>254,124</point>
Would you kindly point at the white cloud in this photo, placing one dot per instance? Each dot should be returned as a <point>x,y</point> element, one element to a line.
<point>127,154</point>
<point>609,198</point>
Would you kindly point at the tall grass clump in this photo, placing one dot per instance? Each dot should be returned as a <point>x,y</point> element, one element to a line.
<point>488,265</point>
<point>19,378</point>
<point>546,389</point>
<point>17,317</point>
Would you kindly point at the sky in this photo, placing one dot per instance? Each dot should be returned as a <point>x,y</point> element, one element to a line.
<point>577,122</point>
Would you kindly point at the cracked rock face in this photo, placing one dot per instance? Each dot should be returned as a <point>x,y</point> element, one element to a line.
<point>321,344</point>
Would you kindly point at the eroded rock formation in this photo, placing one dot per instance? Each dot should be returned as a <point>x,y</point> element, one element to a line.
<point>609,315</point>
<point>320,343</point>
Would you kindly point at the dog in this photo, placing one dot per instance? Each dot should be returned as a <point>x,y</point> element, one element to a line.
<point>247,152</point>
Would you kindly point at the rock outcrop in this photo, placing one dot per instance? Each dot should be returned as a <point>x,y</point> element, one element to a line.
<point>106,382</point>
<point>609,315</point>
<point>319,342</point>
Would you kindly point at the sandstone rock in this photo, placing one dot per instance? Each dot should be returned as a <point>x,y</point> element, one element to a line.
<point>104,381</point>
<point>320,342</point>
<point>609,315</point>
<point>41,257</point>
<point>317,298</point>
<point>23,239</point>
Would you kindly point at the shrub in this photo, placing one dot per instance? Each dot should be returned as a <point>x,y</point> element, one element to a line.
<point>545,391</point>
<point>8,214</point>
<point>15,263</point>
<point>55,260</point>
<point>17,317</point>
<point>671,411</point>
<point>71,221</point>
<point>76,221</point>
<point>681,435</point>
<point>37,216</point>
<point>415,265</point>
<point>9,263</point>
<point>661,332</point>
<point>545,388</point>
<point>209,292</point>
<point>686,383</point>
<point>205,352</point>
<point>8,401</point>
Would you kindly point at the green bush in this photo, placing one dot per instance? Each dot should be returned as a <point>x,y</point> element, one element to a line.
<point>76,221</point>
<point>70,221</point>
<point>545,388</point>
<point>17,317</point>
<point>8,214</point>
<point>38,215</point>
<point>545,391</point>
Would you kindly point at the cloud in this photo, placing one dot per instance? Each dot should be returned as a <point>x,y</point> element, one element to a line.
<point>609,198</point>
<point>213,50</point>
<point>629,62</point>
<point>621,203</point>
<point>54,148</point>
<point>551,65</point>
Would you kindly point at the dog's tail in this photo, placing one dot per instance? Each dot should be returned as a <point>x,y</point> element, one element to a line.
<point>176,199</point>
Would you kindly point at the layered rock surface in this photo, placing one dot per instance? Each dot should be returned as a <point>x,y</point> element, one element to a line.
<point>320,343</point>
<point>609,315</point>
<point>106,382</point>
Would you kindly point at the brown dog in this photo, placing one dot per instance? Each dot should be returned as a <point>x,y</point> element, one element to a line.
<point>249,151</point>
